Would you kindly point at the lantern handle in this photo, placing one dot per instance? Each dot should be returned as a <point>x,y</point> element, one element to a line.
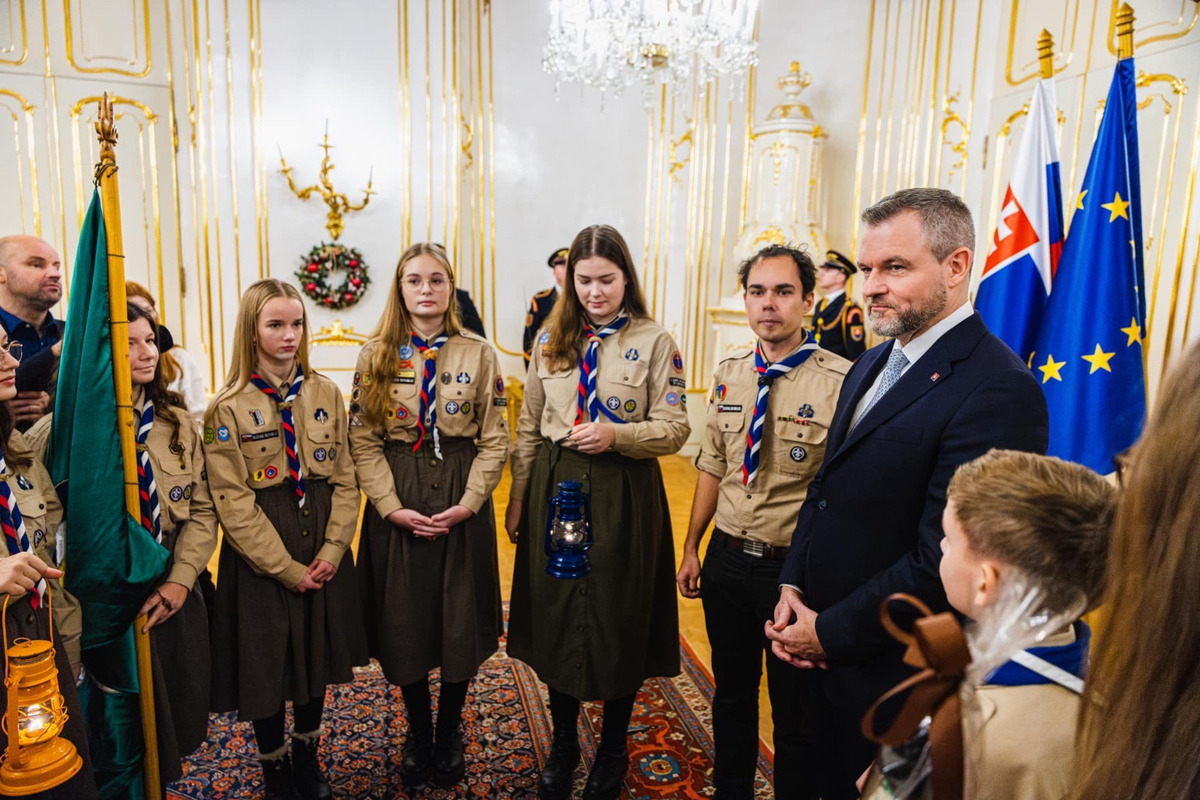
<point>4,620</point>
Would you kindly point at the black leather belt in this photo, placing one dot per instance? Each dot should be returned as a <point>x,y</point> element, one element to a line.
<point>751,547</point>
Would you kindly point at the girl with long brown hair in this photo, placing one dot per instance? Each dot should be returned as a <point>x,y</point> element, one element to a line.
<point>604,397</point>
<point>287,613</point>
<point>1139,732</point>
<point>429,441</point>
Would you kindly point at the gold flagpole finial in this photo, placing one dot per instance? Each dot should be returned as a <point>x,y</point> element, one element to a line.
<point>106,134</point>
<point>1125,31</point>
<point>1045,48</point>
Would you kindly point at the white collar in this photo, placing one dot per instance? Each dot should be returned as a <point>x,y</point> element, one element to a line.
<point>829,298</point>
<point>920,344</point>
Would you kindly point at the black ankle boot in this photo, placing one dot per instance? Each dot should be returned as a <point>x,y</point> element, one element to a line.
<point>558,775</point>
<point>278,783</point>
<point>418,758</point>
<point>449,767</point>
<point>306,767</point>
<point>607,777</point>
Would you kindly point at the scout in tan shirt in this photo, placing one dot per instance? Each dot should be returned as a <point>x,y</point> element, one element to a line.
<point>604,398</point>
<point>429,441</point>
<point>287,619</point>
<point>764,438</point>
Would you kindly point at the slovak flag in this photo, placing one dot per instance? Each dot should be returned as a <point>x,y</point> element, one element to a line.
<point>1024,253</point>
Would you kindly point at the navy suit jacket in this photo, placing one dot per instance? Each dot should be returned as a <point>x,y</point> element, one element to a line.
<point>871,523</point>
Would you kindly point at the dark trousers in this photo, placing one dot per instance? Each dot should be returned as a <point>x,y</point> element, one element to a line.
<point>739,592</point>
<point>842,752</point>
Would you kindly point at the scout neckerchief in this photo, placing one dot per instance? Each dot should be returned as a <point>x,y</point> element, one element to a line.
<point>766,376</point>
<point>1062,664</point>
<point>589,406</point>
<point>428,390</point>
<point>147,490</point>
<point>284,407</point>
<point>14,528</point>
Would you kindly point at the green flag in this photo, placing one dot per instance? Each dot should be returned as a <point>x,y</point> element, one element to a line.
<point>112,563</point>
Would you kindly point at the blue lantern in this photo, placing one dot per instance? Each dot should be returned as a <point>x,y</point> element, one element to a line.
<point>569,532</point>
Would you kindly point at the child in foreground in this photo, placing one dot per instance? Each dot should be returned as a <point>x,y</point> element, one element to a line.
<point>1026,539</point>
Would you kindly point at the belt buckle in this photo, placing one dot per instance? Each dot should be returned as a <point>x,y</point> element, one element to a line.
<point>752,548</point>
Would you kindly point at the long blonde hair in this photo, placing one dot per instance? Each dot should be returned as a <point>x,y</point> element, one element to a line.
<point>245,337</point>
<point>1139,727</point>
<point>395,329</point>
<point>568,319</point>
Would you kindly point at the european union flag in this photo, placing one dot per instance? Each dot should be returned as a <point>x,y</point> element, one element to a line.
<point>1088,355</point>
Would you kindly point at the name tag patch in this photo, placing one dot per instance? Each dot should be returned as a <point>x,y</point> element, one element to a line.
<point>729,408</point>
<point>260,436</point>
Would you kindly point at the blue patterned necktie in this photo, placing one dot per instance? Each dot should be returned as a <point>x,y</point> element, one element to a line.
<point>896,363</point>
<point>147,489</point>
<point>766,376</point>
<point>589,407</point>
<point>428,406</point>
<point>14,529</point>
<point>284,406</point>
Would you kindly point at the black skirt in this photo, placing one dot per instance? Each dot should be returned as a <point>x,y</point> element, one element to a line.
<point>179,658</point>
<point>431,603</point>
<point>598,637</point>
<point>271,644</point>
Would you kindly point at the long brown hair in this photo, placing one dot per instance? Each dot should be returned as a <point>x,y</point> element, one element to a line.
<point>245,336</point>
<point>1139,728</point>
<point>395,329</point>
<point>166,362</point>
<point>163,399</point>
<point>16,456</point>
<point>568,319</point>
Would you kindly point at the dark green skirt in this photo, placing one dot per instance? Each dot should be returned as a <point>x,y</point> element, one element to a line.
<point>270,644</point>
<point>431,603</point>
<point>601,636</point>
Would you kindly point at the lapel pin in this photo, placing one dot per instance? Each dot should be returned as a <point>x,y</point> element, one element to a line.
<point>934,376</point>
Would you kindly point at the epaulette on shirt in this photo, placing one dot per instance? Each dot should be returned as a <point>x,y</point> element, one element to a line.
<point>544,293</point>
<point>738,354</point>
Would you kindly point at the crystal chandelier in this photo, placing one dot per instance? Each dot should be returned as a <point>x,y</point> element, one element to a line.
<point>612,44</point>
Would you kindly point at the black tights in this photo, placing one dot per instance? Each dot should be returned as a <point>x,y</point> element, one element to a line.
<point>270,731</point>
<point>419,705</point>
<point>564,712</point>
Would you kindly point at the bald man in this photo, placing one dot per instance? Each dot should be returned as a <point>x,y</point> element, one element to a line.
<point>30,285</point>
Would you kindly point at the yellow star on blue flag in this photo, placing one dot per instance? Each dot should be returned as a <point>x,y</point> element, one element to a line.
<point>1096,311</point>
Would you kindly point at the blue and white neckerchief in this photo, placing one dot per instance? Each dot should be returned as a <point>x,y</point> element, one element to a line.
<point>147,489</point>
<point>427,413</point>
<point>589,408</point>
<point>1064,664</point>
<point>284,407</point>
<point>766,376</point>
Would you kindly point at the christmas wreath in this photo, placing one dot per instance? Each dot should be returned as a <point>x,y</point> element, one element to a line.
<point>315,269</point>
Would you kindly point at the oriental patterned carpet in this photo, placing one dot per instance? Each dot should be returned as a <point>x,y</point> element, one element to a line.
<point>506,728</point>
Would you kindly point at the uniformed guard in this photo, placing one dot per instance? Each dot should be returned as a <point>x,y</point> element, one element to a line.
<point>768,420</point>
<point>543,302</point>
<point>838,320</point>
<point>429,442</point>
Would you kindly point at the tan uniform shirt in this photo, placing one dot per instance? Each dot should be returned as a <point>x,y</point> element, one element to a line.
<point>639,376</point>
<point>800,409</point>
<point>185,504</point>
<point>244,449</point>
<point>470,404</point>
<point>42,512</point>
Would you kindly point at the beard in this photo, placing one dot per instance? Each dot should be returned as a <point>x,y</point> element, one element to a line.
<point>912,318</point>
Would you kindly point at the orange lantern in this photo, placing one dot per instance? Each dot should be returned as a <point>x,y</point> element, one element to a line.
<point>36,758</point>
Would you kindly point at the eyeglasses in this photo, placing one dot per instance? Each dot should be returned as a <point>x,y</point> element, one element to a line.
<point>14,349</point>
<point>437,283</point>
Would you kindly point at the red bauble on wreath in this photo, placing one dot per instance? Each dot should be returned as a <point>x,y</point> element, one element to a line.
<point>314,274</point>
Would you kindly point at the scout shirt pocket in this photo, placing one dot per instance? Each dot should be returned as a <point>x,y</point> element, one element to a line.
<point>456,404</point>
<point>404,401</point>
<point>560,388</point>
<point>266,461</point>
<point>39,526</point>
<point>319,443</point>
<point>732,427</point>
<point>624,389</point>
<point>801,447</point>
<point>173,476</point>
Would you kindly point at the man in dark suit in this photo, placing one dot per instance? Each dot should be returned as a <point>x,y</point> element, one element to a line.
<point>910,412</point>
